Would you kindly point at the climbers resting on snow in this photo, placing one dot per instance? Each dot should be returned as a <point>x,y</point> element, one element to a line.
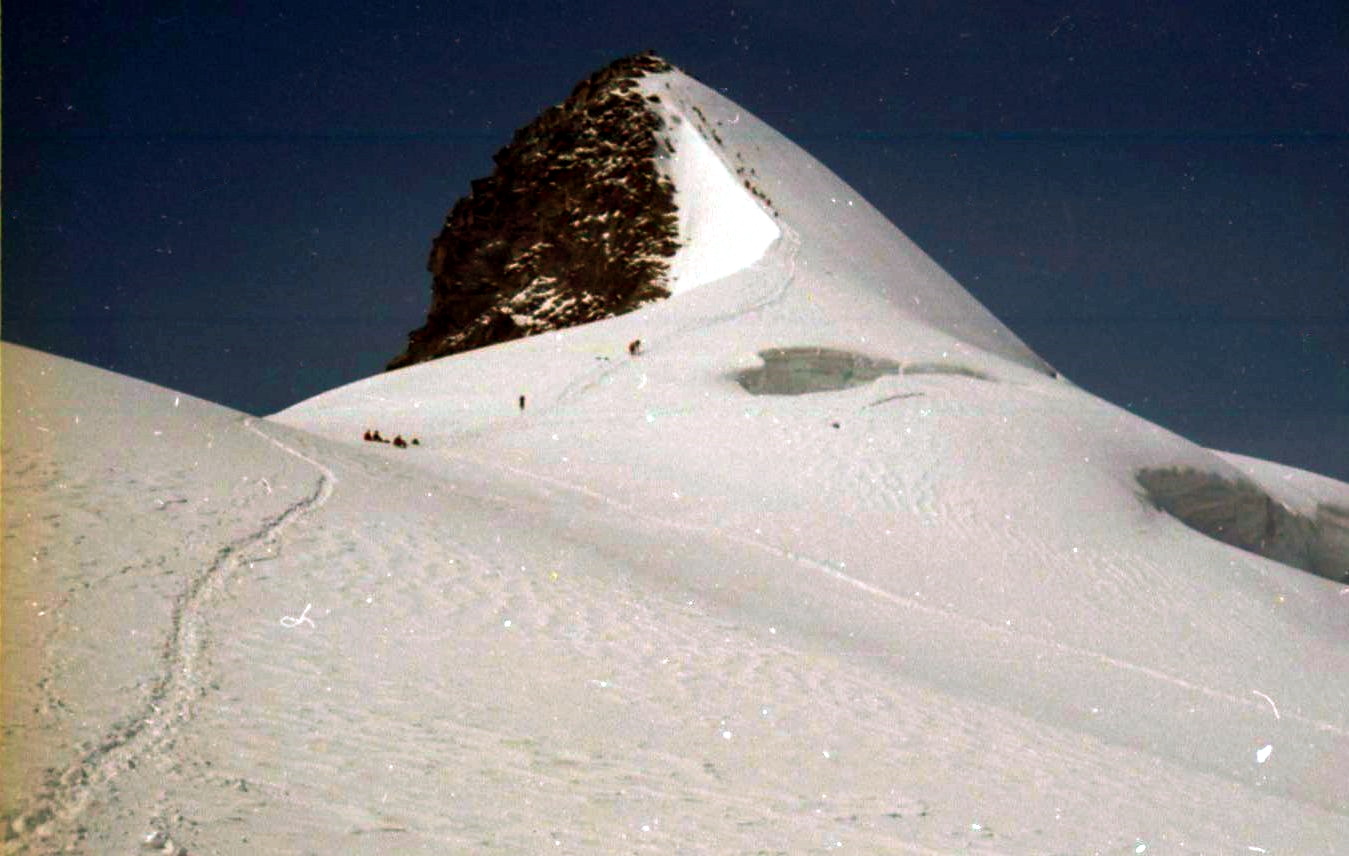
<point>373,436</point>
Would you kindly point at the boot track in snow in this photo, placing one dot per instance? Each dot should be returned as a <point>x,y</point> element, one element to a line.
<point>51,816</point>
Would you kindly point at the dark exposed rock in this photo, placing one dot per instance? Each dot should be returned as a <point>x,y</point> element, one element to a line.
<point>575,224</point>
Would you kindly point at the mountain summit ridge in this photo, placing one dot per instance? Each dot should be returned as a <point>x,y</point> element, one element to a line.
<point>644,184</point>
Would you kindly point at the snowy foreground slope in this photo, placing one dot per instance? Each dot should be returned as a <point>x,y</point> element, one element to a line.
<point>501,662</point>
<point>832,562</point>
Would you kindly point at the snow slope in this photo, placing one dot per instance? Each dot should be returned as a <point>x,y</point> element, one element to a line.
<point>495,661</point>
<point>721,228</point>
<point>832,562</point>
<point>125,505</point>
<point>855,263</point>
<point>983,517</point>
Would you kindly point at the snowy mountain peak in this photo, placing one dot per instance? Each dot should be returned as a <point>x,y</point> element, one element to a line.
<point>644,184</point>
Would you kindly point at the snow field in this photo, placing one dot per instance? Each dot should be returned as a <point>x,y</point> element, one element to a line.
<point>495,663</point>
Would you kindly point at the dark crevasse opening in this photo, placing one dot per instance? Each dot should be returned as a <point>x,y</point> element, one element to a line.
<point>944,369</point>
<point>1239,513</point>
<point>801,370</point>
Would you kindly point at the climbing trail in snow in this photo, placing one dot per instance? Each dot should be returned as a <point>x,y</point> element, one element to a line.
<point>790,247</point>
<point>50,820</point>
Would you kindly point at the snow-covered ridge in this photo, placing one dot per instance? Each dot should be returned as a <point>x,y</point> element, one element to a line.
<point>646,183</point>
<point>860,260</point>
<point>895,468</point>
<point>723,228</point>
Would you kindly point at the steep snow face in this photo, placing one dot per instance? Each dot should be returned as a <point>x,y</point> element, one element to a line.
<point>859,261</point>
<point>722,227</point>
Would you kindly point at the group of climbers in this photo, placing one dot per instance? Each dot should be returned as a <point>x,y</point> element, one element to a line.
<point>398,441</point>
<point>373,436</point>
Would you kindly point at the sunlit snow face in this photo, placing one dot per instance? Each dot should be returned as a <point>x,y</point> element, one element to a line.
<point>722,228</point>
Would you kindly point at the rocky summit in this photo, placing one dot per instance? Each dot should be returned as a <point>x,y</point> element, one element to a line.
<point>574,224</point>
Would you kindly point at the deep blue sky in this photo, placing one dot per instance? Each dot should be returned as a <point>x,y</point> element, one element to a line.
<point>237,199</point>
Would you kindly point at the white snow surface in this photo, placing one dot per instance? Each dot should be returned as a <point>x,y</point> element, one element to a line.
<point>652,612</point>
<point>722,229</point>
<point>851,260</point>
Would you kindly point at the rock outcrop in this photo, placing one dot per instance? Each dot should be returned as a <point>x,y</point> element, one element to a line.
<point>575,224</point>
